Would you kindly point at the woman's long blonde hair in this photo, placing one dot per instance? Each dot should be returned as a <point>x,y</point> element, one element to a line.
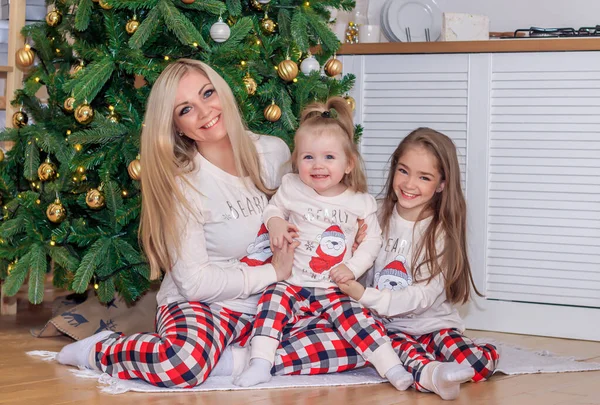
<point>337,122</point>
<point>448,209</point>
<point>165,156</point>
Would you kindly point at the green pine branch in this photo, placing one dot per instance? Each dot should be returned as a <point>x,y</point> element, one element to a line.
<point>37,274</point>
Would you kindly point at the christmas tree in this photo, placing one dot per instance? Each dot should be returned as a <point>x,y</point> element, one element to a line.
<point>69,184</point>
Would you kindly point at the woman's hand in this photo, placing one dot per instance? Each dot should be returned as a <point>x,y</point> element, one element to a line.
<point>360,235</point>
<point>283,259</point>
<point>281,231</point>
<point>353,289</point>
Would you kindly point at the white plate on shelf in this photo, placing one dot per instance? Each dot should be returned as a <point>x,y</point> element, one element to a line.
<point>417,15</point>
<point>385,28</point>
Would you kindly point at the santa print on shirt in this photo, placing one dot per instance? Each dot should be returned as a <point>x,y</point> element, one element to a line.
<point>394,275</point>
<point>259,252</point>
<point>331,250</point>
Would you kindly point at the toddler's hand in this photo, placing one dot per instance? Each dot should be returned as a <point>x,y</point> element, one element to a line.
<point>353,289</point>
<point>281,230</point>
<point>341,274</point>
<point>360,235</point>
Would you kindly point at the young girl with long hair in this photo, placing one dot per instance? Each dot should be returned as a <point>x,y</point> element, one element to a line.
<point>422,270</point>
<point>323,201</point>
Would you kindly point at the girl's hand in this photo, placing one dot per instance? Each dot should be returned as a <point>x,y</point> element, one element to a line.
<point>283,259</point>
<point>360,235</point>
<point>341,274</point>
<point>353,289</point>
<point>281,230</point>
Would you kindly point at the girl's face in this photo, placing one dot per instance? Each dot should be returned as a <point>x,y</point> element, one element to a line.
<point>198,111</point>
<point>416,181</point>
<point>322,163</point>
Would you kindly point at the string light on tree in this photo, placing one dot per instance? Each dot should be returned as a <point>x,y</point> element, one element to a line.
<point>132,25</point>
<point>309,65</point>
<point>53,18</point>
<point>272,112</point>
<point>24,57</point>
<point>220,31</point>
<point>287,69</point>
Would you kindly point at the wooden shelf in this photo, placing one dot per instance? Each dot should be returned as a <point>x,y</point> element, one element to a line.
<point>6,69</point>
<point>492,46</point>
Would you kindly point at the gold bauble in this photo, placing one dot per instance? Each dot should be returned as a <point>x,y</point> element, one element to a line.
<point>256,5</point>
<point>53,18</point>
<point>287,70</point>
<point>1,159</point>
<point>56,212</point>
<point>69,104</point>
<point>104,5</point>
<point>24,57</point>
<point>77,68</point>
<point>333,67</point>
<point>251,85</point>
<point>19,119</point>
<point>351,102</point>
<point>188,1</point>
<point>94,199</point>
<point>267,25</point>
<point>132,26</point>
<point>47,171</point>
<point>84,114</point>
<point>114,117</point>
<point>272,112</point>
<point>135,169</point>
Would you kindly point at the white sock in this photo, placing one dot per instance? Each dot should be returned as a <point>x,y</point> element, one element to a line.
<point>445,378</point>
<point>258,372</point>
<point>399,377</point>
<point>224,365</point>
<point>78,353</point>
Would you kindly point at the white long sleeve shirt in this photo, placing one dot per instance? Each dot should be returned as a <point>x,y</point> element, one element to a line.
<point>230,211</point>
<point>327,229</point>
<point>411,307</point>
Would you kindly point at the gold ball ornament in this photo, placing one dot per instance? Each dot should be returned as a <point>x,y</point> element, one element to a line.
<point>104,5</point>
<point>19,119</point>
<point>188,1</point>
<point>267,25</point>
<point>94,199</point>
<point>84,114</point>
<point>333,67</point>
<point>251,85</point>
<point>53,18</point>
<point>1,159</point>
<point>69,104</point>
<point>114,117</point>
<point>56,212</point>
<point>351,102</point>
<point>132,26</point>
<point>272,112</point>
<point>135,169</point>
<point>47,171</point>
<point>287,70</point>
<point>24,57</point>
<point>256,5</point>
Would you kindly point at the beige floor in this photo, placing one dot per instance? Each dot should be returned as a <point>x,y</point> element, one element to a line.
<point>26,380</point>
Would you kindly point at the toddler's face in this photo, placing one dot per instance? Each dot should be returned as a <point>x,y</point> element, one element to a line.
<point>322,163</point>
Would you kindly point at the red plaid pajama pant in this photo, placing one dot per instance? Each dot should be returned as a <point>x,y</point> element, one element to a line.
<point>191,336</point>
<point>283,303</point>
<point>447,345</point>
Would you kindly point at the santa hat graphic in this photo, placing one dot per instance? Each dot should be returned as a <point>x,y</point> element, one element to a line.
<point>333,231</point>
<point>396,268</point>
<point>263,235</point>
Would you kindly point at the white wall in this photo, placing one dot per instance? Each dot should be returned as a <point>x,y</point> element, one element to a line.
<point>509,15</point>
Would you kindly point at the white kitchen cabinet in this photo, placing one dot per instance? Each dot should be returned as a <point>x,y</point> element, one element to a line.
<point>527,128</point>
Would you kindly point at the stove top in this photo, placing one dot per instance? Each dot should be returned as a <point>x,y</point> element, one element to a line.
<point>537,32</point>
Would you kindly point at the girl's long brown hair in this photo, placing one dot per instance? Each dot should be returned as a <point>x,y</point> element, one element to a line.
<point>340,122</point>
<point>448,210</point>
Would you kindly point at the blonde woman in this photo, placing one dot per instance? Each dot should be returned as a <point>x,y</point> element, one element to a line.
<point>199,157</point>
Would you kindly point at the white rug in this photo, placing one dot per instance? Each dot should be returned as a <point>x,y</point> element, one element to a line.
<point>513,360</point>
